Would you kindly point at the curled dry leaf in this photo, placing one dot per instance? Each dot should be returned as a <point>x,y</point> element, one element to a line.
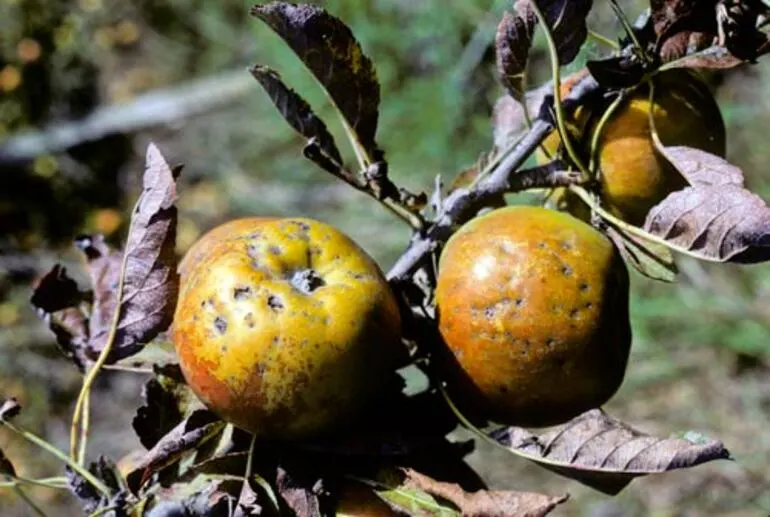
<point>301,495</point>
<point>713,57</point>
<point>167,401</point>
<point>148,267</point>
<point>607,454</point>
<point>616,71</point>
<point>671,17</point>
<point>567,21</point>
<point>417,493</point>
<point>207,496</point>
<point>714,218</point>
<point>296,111</point>
<point>57,300</point>
<point>9,409</point>
<point>89,497</point>
<point>56,291</point>
<point>512,44</point>
<point>330,51</point>
<point>194,431</point>
<point>685,27</point>
<point>508,117</point>
<point>6,467</point>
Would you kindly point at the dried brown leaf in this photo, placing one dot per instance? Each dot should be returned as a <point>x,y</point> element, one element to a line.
<point>670,17</point>
<point>167,401</point>
<point>485,503</point>
<point>189,434</point>
<point>6,467</point>
<point>715,218</point>
<point>714,57</point>
<point>205,496</point>
<point>512,44</point>
<point>330,51</point>
<point>616,71</point>
<point>150,280</point>
<point>508,117</point>
<point>296,111</point>
<point>299,495</point>
<point>687,26</point>
<point>89,497</point>
<point>701,168</point>
<point>686,43</point>
<point>57,300</point>
<point>70,326</point>
<point>567,21</point>
<point>56,291</point>
<point>607,454</point>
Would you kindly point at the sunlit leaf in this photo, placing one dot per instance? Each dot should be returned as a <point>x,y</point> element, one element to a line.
<point>330,51</point>
<point>715,218</point>
<point>605,453</point>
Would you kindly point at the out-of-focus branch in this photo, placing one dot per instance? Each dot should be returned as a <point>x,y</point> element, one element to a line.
<point>457,208</point>
<point>155,108</point>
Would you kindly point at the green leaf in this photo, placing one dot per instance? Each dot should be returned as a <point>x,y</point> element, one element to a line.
<point>652,260</point>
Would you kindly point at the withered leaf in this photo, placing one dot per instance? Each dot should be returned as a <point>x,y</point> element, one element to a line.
<point>248,501</point>
<point>513,41</point>
<point>70,326</point>
<point>652,260</point>
<point>9,409</point>
<point>205,496</point>
<point>299,494</point>
<point>616,72</point>
<point>713,57</point>
<point>508,118</point>
<point>671,17</point>
<point>715,218</point>
<point>195,430</point>
<point>296,111</point>
<point>6,467</point>
<point>567,21</point>
<point>330,51</point>
<point>684,44</point>
<point>167,400</point>
<point>56,299</point>
<point>89,497</point>
<point>701,168</point>
<point>409,491</point>
<point>686,26</point>
<point>607,454</point>
<point>56,291</point>
<point>485,503</point>
<point>103,265</point>
<point>224,464</point>
<point>150,280</point>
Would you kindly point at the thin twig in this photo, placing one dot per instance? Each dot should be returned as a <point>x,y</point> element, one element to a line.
<point>69,461</point>
<point>81,435</point>
<point>559,111</point>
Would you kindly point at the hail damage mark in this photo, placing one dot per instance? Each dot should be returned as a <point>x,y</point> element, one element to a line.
<point>220,324</point>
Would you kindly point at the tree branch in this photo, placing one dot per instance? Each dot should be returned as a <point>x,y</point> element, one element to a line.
<point>457,208</point>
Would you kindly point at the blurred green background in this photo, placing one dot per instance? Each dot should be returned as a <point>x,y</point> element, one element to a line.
<point>85,85</point>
